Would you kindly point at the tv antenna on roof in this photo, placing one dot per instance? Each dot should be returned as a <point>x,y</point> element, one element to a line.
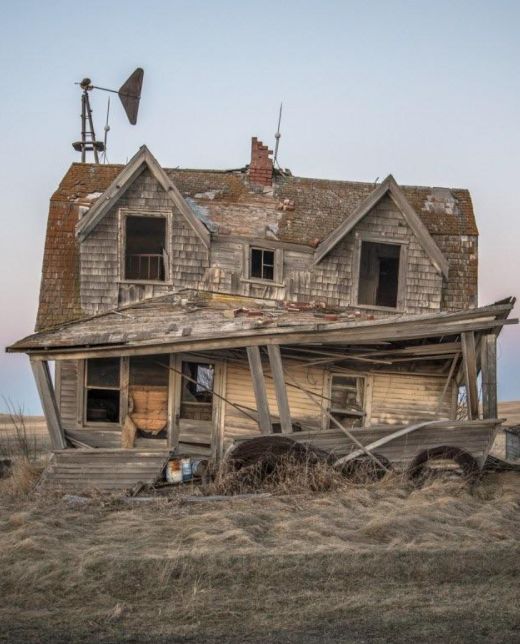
<point>129,93</point>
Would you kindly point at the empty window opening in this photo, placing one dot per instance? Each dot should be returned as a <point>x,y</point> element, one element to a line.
<point>145,253</point>
<point>347,400</point>
<point>262,264</point>
<point>379,274</point>
<point>102,390</point>
<point>197,390</point>
<point>148,394</point>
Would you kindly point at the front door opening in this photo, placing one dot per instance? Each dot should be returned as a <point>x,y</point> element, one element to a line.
<point>379,274</point>
<point>197,391</point>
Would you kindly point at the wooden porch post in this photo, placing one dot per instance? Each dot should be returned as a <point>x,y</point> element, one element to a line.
<point>257,376</point>
<point>470,373</point>
<point>488,357</point>
<point>43,380</point>
<point>275,360</point>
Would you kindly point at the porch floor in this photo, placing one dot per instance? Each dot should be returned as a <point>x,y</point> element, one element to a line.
<point>106,470</point>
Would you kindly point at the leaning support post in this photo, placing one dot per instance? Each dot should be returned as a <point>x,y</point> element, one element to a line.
<point>257,376</point>
<point>488,357</point>
<point>275,360</point>
<point>470,373</point>
<point>43,380</point>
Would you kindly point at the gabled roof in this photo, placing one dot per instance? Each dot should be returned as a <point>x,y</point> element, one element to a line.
<point>388,186</point>
<point>139,162</point>
<point>316,208</point>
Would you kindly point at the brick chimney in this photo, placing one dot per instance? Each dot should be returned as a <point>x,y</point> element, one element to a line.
<point>261,166</point>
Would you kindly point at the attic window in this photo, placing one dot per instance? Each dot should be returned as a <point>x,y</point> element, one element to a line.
<point>261,264</point>
<point>379,274</point>
<point>145,244</point>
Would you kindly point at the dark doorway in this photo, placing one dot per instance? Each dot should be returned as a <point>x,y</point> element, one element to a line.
<point>145,248</point>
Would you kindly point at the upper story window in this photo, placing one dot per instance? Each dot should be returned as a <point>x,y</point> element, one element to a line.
<point>261,263</point>
<point>379,274</point>
<point>145,256</point>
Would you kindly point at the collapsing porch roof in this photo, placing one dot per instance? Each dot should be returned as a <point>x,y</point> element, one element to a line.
<point>190,321</point>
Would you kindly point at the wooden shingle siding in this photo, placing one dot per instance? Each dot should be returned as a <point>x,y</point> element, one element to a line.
<point>99,259</point>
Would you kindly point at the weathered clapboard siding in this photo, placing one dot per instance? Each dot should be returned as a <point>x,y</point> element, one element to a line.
<point>239,390</point>
<point>100,287</point>
<point>404,398</point>
<point>68,403</point>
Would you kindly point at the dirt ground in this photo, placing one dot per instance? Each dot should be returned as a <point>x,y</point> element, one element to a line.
<point>381,563</point>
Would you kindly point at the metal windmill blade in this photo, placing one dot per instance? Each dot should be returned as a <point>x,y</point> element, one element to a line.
<point>130,94</point>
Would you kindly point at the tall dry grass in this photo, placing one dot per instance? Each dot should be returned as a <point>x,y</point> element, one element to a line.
<point>383,562</point>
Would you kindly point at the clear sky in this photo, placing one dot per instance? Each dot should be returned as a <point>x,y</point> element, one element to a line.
<point>429,91</point>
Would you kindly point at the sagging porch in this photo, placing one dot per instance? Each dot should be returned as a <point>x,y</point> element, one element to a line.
<point>196,393</point>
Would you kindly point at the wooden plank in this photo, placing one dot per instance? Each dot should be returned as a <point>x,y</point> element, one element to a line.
<point>470,373</point>
<point>489,375</point>
<point>219,406</point>
<point>275,360</point>
<point>43,380</point>
<point>383,441</point>
<point>257,376</point>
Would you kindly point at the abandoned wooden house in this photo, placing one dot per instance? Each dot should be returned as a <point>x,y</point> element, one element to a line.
<point>188,310</point>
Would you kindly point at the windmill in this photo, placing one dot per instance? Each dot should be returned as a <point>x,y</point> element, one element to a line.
<point>129,94</point>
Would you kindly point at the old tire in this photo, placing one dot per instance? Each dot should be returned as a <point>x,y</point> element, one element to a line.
<point>467,464</point>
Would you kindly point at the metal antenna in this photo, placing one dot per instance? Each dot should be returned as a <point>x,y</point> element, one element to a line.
<point>107,130</point>
<point>129,93</point>
<point>277,136</point>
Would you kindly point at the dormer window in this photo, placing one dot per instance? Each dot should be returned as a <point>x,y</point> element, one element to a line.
<point>145,248</point>
<point>380,282</point>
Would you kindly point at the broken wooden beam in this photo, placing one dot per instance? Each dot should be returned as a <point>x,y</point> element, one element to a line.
<point>50,408</point>
<point>470,373</point>
<point>257,377</point>
<point>275,360</point>
<point>488,356</point>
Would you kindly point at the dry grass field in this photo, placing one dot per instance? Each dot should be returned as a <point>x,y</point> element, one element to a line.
<point>385,562</point>
<point>379,563</point>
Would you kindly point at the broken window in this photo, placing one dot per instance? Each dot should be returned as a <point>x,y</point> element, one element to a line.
<point>148,394</point>
<point>102,390</point>
<point>261,264</point>
<point>347,400</point>
<point>145,244</point>
<point>197,390</point>
<point>379,274</point>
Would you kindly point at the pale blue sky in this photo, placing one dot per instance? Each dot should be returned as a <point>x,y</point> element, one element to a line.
<point>429,91</point>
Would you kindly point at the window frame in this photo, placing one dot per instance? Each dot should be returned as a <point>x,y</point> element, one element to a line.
<point>401,277</point>
<point>277,264</point>
<point>367,397</point>
<point>84,397</point>
<point>132,212</point>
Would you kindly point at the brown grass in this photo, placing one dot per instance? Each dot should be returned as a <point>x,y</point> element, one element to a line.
<point>384,562</point>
